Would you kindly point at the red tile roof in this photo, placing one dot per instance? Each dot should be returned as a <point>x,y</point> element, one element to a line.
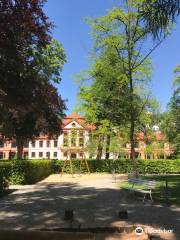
<point>74,116</point>
<point>79,119</point>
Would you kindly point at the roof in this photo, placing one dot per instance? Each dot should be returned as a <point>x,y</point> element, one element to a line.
<point>74,116</point>
<point>79,119</point>
<point>159,136</point>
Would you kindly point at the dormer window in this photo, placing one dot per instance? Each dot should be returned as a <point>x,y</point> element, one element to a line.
<point>73,125</point>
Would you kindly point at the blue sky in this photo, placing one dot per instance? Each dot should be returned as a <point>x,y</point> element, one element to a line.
<point>72,31</point>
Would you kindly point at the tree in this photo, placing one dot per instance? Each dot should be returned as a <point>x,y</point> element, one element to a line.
<point>30,62</point>
<point>124,31</point>
<point>157,14</point>
<point>103,98</point>
<point>170,123</point>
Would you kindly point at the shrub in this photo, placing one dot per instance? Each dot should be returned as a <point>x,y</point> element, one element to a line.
<point>17,173</point>
<point>25,171</point>
<point>36,170</point>
<point>32,171</point>
<point>5,168</point>
<point>122,166</point>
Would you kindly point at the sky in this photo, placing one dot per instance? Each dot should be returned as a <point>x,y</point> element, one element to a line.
<point>73,33</point>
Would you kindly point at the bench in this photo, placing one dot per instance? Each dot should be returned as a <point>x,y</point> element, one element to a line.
<point>146,185</point>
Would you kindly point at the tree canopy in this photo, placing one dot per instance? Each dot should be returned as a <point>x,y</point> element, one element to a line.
<point>31,63</point>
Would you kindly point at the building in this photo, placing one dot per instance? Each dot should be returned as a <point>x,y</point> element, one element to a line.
<point>72,143</point>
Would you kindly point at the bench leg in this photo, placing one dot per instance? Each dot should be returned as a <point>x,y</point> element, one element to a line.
<point>151,197</point>
<point>144,197</point>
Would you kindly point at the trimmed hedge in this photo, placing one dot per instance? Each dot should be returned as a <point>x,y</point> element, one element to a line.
<point>25,171</point>
<point>123,166</point>
<point>32,171</point>
<point>5,169</point>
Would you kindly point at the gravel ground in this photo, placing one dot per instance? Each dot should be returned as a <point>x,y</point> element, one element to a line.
<point>95,199</point>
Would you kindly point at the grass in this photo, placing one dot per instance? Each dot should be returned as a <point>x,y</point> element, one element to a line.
<point>159,193</point>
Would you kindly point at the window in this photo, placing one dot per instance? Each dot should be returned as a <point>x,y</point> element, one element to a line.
<point>40,154</point>
<point>73,155</point>
<point>48,155</point>
<point>33,144</point>
<point>65,154</point>
<point>66,139</point>
<point>48,144</point>
<point>81,139</point>
<point>1,155</point>
<point>73,138</point>
<point>33,155</point>
<point>55,143</point>
<point>55,154</point>
<point>40,144</point>
<point>81,155</point>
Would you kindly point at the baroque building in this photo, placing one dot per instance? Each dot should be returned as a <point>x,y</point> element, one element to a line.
<point>72,143</point>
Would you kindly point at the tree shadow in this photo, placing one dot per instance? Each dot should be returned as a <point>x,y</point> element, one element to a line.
<point>42,208</point>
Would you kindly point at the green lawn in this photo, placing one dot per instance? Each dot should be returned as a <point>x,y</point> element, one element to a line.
<point>159,191</point>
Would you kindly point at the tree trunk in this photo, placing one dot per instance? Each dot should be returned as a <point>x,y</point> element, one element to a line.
<point>20,146</point>
<point>132,154</point>
<point>108,140</point>
<point>100,147</point>
<point>132,106</point>
<point>132,123</point>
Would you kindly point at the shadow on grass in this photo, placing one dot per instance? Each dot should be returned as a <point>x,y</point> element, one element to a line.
<point>42,208</point>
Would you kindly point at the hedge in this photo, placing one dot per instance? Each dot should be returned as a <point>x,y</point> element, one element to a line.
<point>5,169</point>
<point>123,166</point>
<point>32,171</point>
<point>25,171</point>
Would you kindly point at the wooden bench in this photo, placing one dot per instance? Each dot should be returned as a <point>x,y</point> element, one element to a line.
<point>146,185</point>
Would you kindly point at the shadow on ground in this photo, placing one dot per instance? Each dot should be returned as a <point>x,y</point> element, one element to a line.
<point>42,208</point>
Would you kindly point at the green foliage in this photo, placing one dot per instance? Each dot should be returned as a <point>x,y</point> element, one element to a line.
<point>26,171</point>
<point>170,122</point>
<point>118,90</point>
<point>123,166</point>
<point>5,168</point>
<point>158,15</point>
<point>32,171</point>
<point>37,170</point>
<point>49,61</point>
<point>17,174</point>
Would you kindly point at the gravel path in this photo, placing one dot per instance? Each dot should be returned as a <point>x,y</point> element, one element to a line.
<point>95,200</point>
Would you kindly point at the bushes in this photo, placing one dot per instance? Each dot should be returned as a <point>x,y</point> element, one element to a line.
<point>123,166</point>
<point>5,168</point>
<point>32,171</point>
<point>36,170</point>
<point>25,171</point>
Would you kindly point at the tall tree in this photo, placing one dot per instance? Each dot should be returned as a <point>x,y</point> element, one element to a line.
<point>103,97</point>
<point>170,123</point>
<point>30,63</point>
<point>124,31</point>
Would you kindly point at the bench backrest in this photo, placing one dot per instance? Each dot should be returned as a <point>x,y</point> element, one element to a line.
<point>145,183</point>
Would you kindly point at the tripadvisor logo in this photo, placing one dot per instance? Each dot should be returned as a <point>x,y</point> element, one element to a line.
<point>139,230</point>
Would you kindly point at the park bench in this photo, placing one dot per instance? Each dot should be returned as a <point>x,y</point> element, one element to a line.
<point>141,186</point>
